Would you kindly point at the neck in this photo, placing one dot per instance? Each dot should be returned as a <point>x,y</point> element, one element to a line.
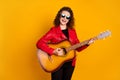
<point>63,27</point>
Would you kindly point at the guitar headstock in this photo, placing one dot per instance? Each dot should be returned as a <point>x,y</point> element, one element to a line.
<point>104,34</point>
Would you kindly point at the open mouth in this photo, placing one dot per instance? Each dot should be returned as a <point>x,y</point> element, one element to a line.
<point>64,21</point>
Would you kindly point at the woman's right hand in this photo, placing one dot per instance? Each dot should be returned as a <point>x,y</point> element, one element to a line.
<point>59,52</point>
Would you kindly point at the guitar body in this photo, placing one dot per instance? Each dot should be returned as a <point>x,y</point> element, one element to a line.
<point>53,62</point>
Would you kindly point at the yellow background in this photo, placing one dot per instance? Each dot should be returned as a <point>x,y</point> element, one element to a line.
<point>23,22</point>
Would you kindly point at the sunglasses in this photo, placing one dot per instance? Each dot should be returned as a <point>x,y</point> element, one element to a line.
<point>63,16</point>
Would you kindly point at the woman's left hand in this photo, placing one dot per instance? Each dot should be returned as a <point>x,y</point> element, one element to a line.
<point>91,41</point>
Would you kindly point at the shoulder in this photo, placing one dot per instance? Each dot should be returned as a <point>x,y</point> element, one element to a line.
<point>72,30</point>
<point>54,28</point>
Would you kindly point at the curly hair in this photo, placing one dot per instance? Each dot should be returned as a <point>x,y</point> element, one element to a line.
<point>70,24</point>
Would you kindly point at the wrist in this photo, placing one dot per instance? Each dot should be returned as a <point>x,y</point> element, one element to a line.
<point>87,44</point>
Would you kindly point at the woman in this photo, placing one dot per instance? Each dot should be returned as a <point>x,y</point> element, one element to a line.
<point>62,30</point>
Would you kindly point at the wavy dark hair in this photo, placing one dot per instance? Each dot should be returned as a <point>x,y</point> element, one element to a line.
<point>70,24</point>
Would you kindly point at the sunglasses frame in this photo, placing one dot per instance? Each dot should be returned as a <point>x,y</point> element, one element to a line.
<point>64,16</point>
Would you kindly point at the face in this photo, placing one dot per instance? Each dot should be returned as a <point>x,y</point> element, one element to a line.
<point>64,18</point>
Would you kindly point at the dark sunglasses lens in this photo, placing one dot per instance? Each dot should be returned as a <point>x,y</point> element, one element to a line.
<point>67,17</point>
<point>62,15</point>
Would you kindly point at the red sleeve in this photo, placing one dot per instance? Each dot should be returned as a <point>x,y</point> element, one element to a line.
<point>42,43</point>
<point>77,41</point>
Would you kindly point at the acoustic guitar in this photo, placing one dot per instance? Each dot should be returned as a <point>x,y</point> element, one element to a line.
<point>53,62</point>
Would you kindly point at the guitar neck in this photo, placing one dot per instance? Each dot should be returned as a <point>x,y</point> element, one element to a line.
<point>73,47</point>
<point>100,36</point>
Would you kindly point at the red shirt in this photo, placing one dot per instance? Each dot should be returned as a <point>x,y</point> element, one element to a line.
<point>55,35</point>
